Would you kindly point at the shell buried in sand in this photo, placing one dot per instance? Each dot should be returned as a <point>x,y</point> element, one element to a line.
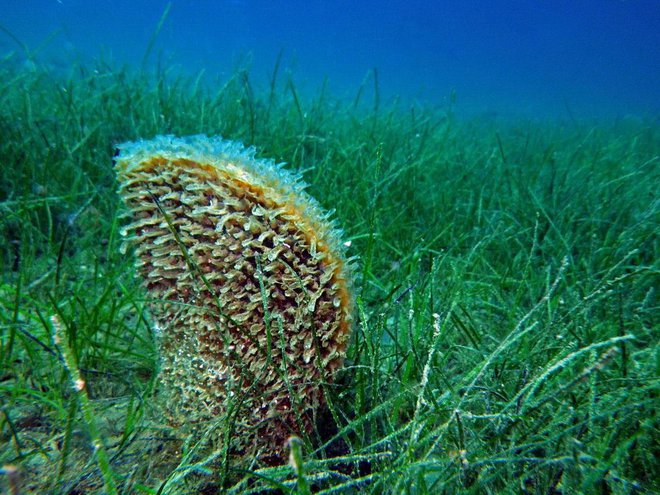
<point>247,282</point>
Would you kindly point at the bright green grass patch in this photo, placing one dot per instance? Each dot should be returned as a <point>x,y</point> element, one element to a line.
<point>507,327</point>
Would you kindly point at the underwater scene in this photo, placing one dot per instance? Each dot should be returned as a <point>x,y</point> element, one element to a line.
<point>329,247</point>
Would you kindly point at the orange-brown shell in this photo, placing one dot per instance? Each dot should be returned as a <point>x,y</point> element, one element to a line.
<point>248,285</point>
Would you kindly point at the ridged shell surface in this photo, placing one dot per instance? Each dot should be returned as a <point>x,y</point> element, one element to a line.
<point>248,286</point>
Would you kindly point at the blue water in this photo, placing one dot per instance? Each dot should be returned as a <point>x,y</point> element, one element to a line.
<point>530,58</point>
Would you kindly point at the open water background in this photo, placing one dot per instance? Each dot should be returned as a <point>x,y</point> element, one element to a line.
<point>539,59</point>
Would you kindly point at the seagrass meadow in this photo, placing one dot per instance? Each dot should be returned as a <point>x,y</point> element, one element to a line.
<point>505,331</point>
